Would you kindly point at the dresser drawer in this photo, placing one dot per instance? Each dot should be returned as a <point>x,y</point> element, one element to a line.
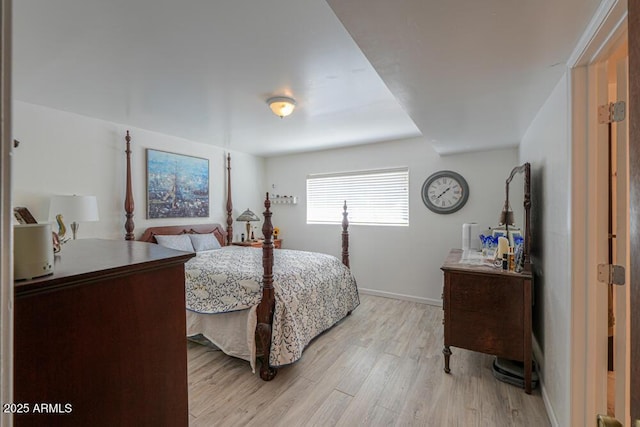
<point>495,334</point>
<point>493,296</point>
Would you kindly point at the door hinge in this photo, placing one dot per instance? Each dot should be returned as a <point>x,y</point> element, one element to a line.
<point>611,274</point>
<point>612,112</point>
<point>606,421</point>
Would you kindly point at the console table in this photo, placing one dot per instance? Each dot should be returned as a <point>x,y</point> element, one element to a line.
<point>487,309</point>
<point>102,341</point>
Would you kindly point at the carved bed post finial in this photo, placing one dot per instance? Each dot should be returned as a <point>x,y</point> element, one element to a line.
<point>345,235</point>
<point>267,305</point>
<point>128,200</point>
<point>229,204</point>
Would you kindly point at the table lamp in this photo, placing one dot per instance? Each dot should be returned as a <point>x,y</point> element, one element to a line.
<point>248,216</point>
<point>73,208</point>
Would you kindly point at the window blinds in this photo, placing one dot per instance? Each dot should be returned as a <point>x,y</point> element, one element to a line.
<point>377,197</point>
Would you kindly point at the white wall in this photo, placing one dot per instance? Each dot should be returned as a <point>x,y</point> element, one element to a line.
<point>65,153</point>
<point>546,145</point>
<point>396,260</point>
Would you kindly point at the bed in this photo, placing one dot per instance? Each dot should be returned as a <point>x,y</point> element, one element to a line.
<point>257,303</point>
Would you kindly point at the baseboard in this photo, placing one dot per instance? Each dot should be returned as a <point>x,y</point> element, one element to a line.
<point>421,300</point>
<point>537,354</point>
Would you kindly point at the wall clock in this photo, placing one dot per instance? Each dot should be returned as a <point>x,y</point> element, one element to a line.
<point>445,192</point>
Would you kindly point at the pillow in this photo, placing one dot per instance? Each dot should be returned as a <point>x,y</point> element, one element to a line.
<point>204,242</point>
<point>180,242</point>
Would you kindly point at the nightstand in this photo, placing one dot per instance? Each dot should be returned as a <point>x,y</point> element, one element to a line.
<point>277,243</point>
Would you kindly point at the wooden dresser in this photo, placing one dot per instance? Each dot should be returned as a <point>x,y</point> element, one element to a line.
<point>487,309</point>
<point>101,342</point>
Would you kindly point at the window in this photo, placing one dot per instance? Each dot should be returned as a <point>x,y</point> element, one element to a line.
<point>377,197</point>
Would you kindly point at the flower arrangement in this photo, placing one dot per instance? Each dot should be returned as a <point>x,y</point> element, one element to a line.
<point>276,232</point>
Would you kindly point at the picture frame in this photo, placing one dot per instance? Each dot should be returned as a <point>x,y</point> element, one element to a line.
<point>177,185</point>
<point>23,216</point>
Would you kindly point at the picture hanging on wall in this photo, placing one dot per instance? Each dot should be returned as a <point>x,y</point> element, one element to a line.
<point>177,185</point>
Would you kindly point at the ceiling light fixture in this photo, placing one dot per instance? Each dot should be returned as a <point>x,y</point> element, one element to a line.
<point>281,106</point>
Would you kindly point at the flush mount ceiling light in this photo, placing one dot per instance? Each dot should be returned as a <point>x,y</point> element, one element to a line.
<point>281,106</point>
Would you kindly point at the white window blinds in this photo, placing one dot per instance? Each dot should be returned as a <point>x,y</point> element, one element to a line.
<point>377,197</point>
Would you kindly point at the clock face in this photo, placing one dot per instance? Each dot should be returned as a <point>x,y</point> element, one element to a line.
<point>445,192</point>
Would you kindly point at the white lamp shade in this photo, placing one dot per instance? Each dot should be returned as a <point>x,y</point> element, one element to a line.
<point>74,208</point>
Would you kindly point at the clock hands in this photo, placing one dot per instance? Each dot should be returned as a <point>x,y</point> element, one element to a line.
<point>442,194</point>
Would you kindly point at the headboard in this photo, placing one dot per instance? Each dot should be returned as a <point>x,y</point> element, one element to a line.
<point>215,229</point>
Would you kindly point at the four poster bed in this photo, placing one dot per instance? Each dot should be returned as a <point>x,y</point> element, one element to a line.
<point>256,302</point>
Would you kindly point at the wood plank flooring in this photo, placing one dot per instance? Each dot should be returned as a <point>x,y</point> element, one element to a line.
<point>381,366</point>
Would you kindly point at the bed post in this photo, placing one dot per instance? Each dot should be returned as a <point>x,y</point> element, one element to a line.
<point>266,306</point>
<point>128,200</point>
<point>229,204</point>
<point>345,236</point>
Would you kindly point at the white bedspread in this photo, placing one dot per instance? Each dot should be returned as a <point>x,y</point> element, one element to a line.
<point>312,291</point>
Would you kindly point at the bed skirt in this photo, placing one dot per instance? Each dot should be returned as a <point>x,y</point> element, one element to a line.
<point>222,330</point>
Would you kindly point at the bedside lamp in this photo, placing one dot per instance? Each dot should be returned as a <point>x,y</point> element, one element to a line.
<point>248,216</point>
<point>73,208</point>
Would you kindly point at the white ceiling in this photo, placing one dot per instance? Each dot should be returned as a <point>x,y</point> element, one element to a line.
<point>466,74</point>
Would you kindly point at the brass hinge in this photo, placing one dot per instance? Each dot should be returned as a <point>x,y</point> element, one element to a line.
<point>612,112</point>
<point>611,274</point>
<point>606,421</point>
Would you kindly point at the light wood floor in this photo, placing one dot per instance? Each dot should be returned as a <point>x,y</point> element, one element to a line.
<point>381,366</point>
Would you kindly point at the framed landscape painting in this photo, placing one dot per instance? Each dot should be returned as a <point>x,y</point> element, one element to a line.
<point>177,185</point>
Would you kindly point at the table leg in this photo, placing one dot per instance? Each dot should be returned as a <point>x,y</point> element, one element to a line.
<point>527,373</point>
<point>447,354</point>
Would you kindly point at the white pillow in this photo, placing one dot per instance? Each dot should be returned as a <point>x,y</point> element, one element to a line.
<point>181,242</point>
<point>204,242</point>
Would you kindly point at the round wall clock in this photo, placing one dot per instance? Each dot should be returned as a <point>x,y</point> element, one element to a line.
<point>445,192</point>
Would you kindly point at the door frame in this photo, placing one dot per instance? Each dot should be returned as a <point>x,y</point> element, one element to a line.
<point>588,349</point>
<point>6,228</point>
<point>634,202</point>
<point>621,294</point>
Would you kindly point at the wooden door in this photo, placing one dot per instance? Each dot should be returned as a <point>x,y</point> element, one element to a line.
<point>634,202</point>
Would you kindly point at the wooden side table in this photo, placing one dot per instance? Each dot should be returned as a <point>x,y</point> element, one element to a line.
<point>488,310</point>
<point>277,243</point>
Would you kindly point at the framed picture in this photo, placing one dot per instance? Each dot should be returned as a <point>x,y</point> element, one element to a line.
<point>177,185</point>
<point>23,216</point>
